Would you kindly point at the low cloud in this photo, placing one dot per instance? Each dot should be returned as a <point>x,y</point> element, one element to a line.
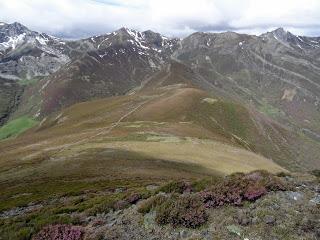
<point>82,18</point>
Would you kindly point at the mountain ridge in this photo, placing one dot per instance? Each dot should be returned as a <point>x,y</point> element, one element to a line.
<point>135,134</point>
<point>274,75</point>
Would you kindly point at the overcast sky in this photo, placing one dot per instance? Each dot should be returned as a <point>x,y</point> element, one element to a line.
<point>82,18</point>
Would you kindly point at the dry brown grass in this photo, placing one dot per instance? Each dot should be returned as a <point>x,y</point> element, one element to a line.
<point>104,124</point>
<point>209,154</point>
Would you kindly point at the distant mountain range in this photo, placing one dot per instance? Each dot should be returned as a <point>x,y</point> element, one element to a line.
<point>268,85</point>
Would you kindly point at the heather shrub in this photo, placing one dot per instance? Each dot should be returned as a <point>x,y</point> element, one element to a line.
<point>184,210</point>
<point>133,198</point>
<point>105,206</point>
<point>151,203</point>
<point>204,183</point>
<point>276,184</point>
<point>222,194</point>
<point>144,194</point>
<point>256,176</point>
<point>316,172</point>
<point>238,187</point>
<point>176,187</point>
<point>283,174</point>
<point>59,232</point>
<point>189,209</point>
<point>121,204</point>
<point>271,182</point>
<point>124,203</point>
<point>114,202</point>
<point>254,191</point>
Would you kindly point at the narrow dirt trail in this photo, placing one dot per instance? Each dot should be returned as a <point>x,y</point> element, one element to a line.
<point>105,130</point>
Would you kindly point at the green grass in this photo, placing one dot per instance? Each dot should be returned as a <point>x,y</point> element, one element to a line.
<point>270,110</point>
<point>27,82</point>
<point>44,190</point>
<point>224,117</point>
<point>16,127</point>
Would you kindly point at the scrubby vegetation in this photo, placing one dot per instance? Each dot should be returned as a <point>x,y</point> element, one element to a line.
<point>240,187</point>
<point>185,210</point>
<point>176,187</point>
<point>59,232</point>
<point>177,203</point>
<point>185,206</point>
<point>60,202</point>
<point>151,203</point>
<point>316,173</point>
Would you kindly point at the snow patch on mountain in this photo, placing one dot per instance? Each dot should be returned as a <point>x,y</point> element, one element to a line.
<point>138,37</point>
<point>12,42</point>
<point>42,40</point>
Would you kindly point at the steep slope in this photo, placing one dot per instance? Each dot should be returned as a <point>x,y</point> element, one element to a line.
<point>112,65</point>
<point>272,78</point>
<point>87,160</point>
<point>276,73</point>
<point>156,124</point>
<point>25,54</point>
<point>10,93</point>
<point>91,64</point>
<point>25,57</point>
<point>131,110</point>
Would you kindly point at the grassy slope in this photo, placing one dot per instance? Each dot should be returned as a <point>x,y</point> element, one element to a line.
<point>16,127</point>
<point>116,123</point>
<point>27,82</point>
<point>122,142</point>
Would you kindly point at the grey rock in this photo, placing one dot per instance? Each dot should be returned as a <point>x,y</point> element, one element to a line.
<point>119,190</point>
<point>205,234</point>
<point>243,219</point>
<point>255,220</point>
<point>31,54</point>
<point>269,219</point>
<point>234,229</point>
<point>20,211</point>
<point>184,234</point>
<point>152,187</point>
<point>296,196</point>
<point>316,199</point>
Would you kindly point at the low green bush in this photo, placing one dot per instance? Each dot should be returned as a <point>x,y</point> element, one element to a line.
<point>175,187</point>
<point>185,210</point>
<point>316,172</point>
<point>151,203</point>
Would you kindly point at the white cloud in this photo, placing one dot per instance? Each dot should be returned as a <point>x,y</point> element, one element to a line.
<point>172,17</point>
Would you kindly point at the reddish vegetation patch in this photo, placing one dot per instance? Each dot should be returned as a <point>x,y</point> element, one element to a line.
<point>179,205</point>
<point>253,192</point>
<point>239,187</point>
<point>60,232</point>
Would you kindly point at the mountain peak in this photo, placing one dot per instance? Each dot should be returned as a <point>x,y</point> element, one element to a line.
<point>17,26</point>
<point>280,30</point>
<point>14,29</point>
<point>280,34</point>
<point>127,30</point>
